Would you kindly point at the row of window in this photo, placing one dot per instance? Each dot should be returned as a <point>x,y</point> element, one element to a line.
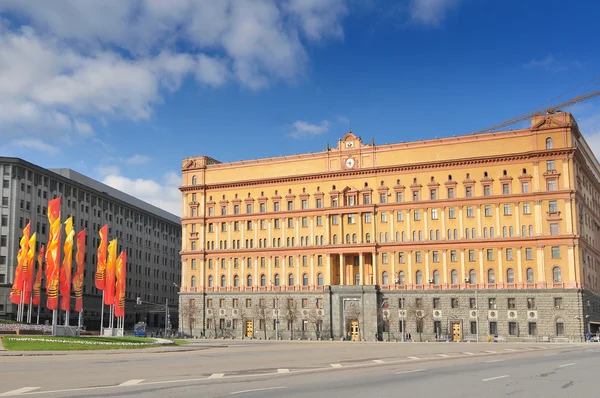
<point>263,280</point>
<point>262,303</point>
<point>511,303</point>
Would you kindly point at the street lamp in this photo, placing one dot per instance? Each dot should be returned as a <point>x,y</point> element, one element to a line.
<point>401,307</point>
<point>276,313</point>
<point>179,320</point>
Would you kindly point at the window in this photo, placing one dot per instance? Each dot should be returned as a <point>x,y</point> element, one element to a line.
<point>193,281</point>
<point>554,229</point>
<point>453,256</point>
<point>513,329</point>
<point>454,302</point>
<point>493,328</point>
<point>418,257</point>
<point>367,199</point>
<point>551,183</point>
<point>531,303</point>
<point>418,303</point>
<point>383,216</point>
<point>550,165</point>
<point>382,198</point>
<point>491,276</point>
<point>415,196</point>
<point>249,280</point>
<point>276,206</point>
<point>351,218</point>
<point>490,254</point>
<point>434,214</point>
<point>291,280</point>
<point>454,277</point>
<point>433,194</point>
<point>305,279</point>
<point>399,197</point>
<point>399,215</point>
<point>450,193</point>
<point>471,255</point>
<point>472,303</point>
<point>526,208</point>
<point>401,258</point>
<point>529,273</point>
<point>555,251</point>
<point>511,303</point>
<point>552,206</point>
<point>549,143</point>
<point>473,327</point>
<point>436,277</point>
<point>319,279</point>
<point>532,328</point>
<point>509,254</point>
<point>505,189</point>
<point>472,277</point>
<point>417,215</point>
<point>451,212</point>
<point>528,253</point>
<point>419,278</point>
<point>510,276</point>
<point>558,303</point>
<point>492,303</point>
<point>236,281</point>
<point>436,303</point>
<point>507,210</point>
<point>384,278</point>
<point>436,256</point>
<point>556,275</point>
<point>304,204</point>
<point>560,328</point>
<point>525,187</point>
<point>487,210</point>
<point>248,303</point>
<point>487,191</point>
<point>469,192</point>
<point>290,205</point>
<point>470,213</point>
<point>401,278</point>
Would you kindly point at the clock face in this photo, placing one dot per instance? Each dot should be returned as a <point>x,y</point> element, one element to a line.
<point>349,163</point>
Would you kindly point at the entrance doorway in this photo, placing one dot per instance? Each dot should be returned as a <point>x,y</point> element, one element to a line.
<point>249,329</point>
<point>456,331</point>
<point>354,335</point>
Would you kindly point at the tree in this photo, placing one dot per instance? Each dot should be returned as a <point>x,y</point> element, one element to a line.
<point>290,314</point>
<point>261,313</point>
<point>419,314</point>
<point>314,319</point>
<point>190,313</point>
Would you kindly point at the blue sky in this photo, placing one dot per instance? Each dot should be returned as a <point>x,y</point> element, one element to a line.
<point>122,91</point>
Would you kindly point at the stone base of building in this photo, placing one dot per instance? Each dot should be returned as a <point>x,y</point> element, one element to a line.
<point>368,313</point>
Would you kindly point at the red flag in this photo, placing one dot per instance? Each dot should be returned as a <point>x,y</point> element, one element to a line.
<point>121,274</point>
<point>29,269</point>
<point>109,283</point>
<point>37,284</point>
<point>16,290</point>
<point>78,278</point>
<point>101,266</point>
<point>66,273</point>
<point>53,254</point>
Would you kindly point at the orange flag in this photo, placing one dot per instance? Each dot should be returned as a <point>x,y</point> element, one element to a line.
<point>37,284</point>
<point>66,273</point>
<point>120,286</point>
<point>109,282</point>
<point>16,291</point>
<point>29,269</point>
<point>101,266</point>
<point>78,278</point>
<point>53,254</point>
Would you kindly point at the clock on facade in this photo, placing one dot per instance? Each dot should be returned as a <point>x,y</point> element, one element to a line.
<point>350,163</point>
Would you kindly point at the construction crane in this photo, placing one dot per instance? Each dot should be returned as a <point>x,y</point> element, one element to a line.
<point>549,110</point>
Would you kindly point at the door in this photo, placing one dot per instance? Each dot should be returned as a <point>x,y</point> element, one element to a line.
<point>456,332</point>
<point>249,329</point>
<point>354,331</point>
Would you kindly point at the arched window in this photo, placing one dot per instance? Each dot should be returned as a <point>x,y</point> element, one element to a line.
<point>319,279</point>
<point>263,280</point>
<point>510,276</point>
<point>347,238</point>
<point>302,241</point>
<point>249,280</point>
<point>305,279</point>
<point>511,231</point>
<point>524,230</point>
<point>384,278</point>
<point>560,327</point>
<point>491,276</point>
<point>335,242</point>
<point>437,234</point>
<point>531,230</point>
<point>414,236</point>
<point>454,277</point>
<point>473,233</point>
<point>436,277</point>
<point>549,143</point>
<point>530,275</point>
<point>194,180</point>
<point>368,238</point>
<point>354,240</point>
<point>491,232</point>
<point>381,237</point>
<point>210,281</point>
<point>467,233</point>
<point>419,278</point>
<point>193,281</point>
<point>387,237</point>
<point>397,236</point>
<point>420,235</point>
<point>431,234</point>
<point>403,236</point>
<point>401,278</point>
<point>485,235</point>
<point>455,233</point>
<point>556,275</point>
<point>291,280</point>
<point>277,282</point>
<point>472,277</point>
<point>236,281</point>
<point>223,281</point>
<point>449,235</point>
<point>504,232</point>
<point>356,279</point>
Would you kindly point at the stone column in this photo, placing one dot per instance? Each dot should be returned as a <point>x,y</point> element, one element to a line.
<point>517,219</point>
<point>361,238</point>
<point>500,278</point>
<point>375,277</point>
<point>498,231</point>
<point>327,234</point>
<point>538,217</point>
<point>568,216</point>
<point>342,273</point>
<point>360,268</point>
<point>460,223</point>
<point>410,269</point>
<point>541,274</point>
<point>311,280</point>
<point>444,265</point>
<point>479,229</point>
<point>536,176</point>
<point>481,272</point>
<point>519,265</point>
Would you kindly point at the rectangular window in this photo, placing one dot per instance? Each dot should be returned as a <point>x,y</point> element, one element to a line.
<point>552,206</point>
<point>551,184</point>
<point>511,303</point>
<point>367,217</point>
<point>263,207</point>
<point>453,256</point>
<point>401,258</point>
<point>473,327</point>
<point>558,303</point>
<point>509,254</point>
<point>472,303</point>
<point>531,303</point>
<point>277,223</point>
<point>488,210</point>
<point>334,219</point>
<point>399,215</point>
<point>550,165</point>
<point>492,303</point>
<point>290,222</point>
<point>433,194</point>
<point>304,204</point>
<point>505,189</point>
<point>470,211</point>
<point>351,218</point>
<point>512,328</point>
<point>319,221</point>
<point>236,209</point>
<point>532,329</point>
<point>525,187</point>
<point>319,203</point>
<point>555,251</point>
<point>451,212</point>
<point>434,214</point>
<point>417,257</point>
<point>526,208</point>
<point>383,216</point>
<point>290,205</point>
<point>490,254</point>
<point>507,210</point>
<point>417,215</point>
<point>487,190</point>
<point>454,302</point>
<point>382,198</point>
<point>435,256</point>
<point>436,303</point>
<point>528,253</point>
<point>471,255</point>
<point>304,222</point>
<point>367,199</point>
<point>248,226</point>
<point>450,193</point>
<point>249,208</point>
<point>399,197</point>
<point>276,206</point>
<point>418,303</point>
<point>554,229</point>
<point>415,196</point>
<point>469,192</point>
<point>493,328</point>
<point>223,210</point>
<point>384,258</point>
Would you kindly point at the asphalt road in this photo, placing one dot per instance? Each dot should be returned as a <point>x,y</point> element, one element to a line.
<point>313,369</point>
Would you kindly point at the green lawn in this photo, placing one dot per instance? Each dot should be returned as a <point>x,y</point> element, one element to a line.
<point>49,343</point>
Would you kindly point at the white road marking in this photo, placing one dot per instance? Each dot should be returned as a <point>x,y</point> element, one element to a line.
<point>19,391</point>
<point>414,358</point>
<point>411,371</point>
<point>566,364</point>
<point>527,349</point>
<point>258,389</point>
<point>496,360</point>
<point>443,355</point>
<point>132,382</point>
<point>216,375</point>
<point>509,349</point>
<point>336,365</point>
<point>378,361</point>
<point>550,355</point>
<point>490,352</point>
<point>283,371</point>
<point>468,353</point>
<point>495,378</point>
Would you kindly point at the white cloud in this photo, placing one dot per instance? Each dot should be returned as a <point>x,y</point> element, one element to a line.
<point>430,12</point>
<point>104,171</point>
<point>303,129</point>
<point>35,144</point>
<point>83,128</point>
<point>164,194</point>
<point>551,64</point>
<point>138,159</point>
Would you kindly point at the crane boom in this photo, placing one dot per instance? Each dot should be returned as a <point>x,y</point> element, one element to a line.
<point>572,101</point>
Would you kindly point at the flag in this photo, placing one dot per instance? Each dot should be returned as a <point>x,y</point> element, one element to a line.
<point>101,266</point>
<point>67,267</point>
<point>109,281</point>
<point>16,290</point>
<point>78,278</point>
<point>120,286</point>
<point>37,284</point>
<point>53,254</point>
<point>29,269</point>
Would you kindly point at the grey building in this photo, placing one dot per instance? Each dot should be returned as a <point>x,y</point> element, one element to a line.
<point>150,236</point>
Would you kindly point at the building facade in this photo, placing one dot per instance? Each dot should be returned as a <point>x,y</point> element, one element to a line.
<point>460,238</point>
<point>151,237</point>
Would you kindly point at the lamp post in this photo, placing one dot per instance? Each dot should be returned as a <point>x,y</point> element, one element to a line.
<point>276,313</point>
<point>402,308</point>
<point>179,321</point>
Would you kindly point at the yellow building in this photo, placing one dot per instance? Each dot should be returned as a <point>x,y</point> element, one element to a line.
<point>385,240</point>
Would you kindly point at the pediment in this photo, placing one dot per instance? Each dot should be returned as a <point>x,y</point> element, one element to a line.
<point>548,123</point>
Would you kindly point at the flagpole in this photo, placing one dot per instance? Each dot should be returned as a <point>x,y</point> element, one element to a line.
<point>29,307</point>
<point>102,316</point>
<point>38,312</point>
